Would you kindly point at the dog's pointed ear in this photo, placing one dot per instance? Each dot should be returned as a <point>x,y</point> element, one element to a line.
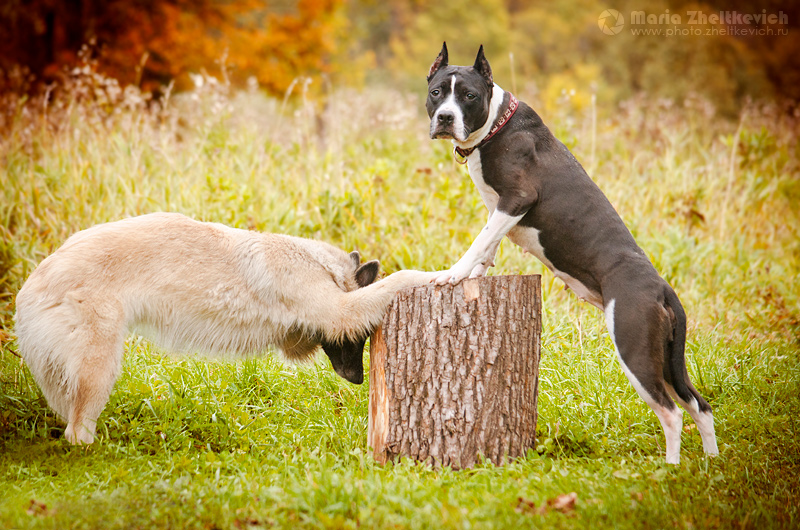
<point>355,257</point>
<point>440,62</point>
<point>367,273</point>
<point>482,67</point>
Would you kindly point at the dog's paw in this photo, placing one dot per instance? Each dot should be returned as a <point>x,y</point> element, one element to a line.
<point>79,436</point>
<point>442,278</point>
<point>480,270</point>
<point>448,277</point>
<point>452,276</point>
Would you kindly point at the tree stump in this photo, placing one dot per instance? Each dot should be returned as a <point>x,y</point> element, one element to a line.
<point>454,372</point>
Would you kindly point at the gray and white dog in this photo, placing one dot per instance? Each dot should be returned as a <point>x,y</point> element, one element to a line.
<point>542,199</point>
<point>190,286</point>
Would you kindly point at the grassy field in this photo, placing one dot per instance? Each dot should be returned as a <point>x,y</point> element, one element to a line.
<point>186,443</point>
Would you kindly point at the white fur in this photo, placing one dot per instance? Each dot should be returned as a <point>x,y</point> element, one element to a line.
<point>450,104</point>
<point>480,255</point>
<point>475,167</point>
<point>705,424</point>
<point>188,286</point>
<point>703,420</point>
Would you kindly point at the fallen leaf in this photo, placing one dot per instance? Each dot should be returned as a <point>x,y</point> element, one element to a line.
<point>525,505</point>
<point>36,508</point>
<point>637,495</point>
<point>563,503</point>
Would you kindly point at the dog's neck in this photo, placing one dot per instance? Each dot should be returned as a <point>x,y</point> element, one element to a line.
<point>477,136</point>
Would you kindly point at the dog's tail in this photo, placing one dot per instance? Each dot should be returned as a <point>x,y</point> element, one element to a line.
<point>362,310</point>
<point>676,355</point>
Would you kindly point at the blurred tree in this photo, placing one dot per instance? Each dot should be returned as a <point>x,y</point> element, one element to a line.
<point>552,51</point>
<point>415,46</point>
<point>775,48</point>
<point>695,59</point>
<point>557,48</point>
<point>154,41</point>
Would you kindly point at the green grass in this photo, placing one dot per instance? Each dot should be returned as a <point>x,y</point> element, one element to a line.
<point>188,443</point>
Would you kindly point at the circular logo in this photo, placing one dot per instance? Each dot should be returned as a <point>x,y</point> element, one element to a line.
<point>611,22</point>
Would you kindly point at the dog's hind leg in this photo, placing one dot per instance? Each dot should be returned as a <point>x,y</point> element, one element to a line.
<point>93,384</point>
<point>704,419</point>
<point>73,347</point>
<point>679,385</point>
<point>93,353</point>
<point>639,335</point>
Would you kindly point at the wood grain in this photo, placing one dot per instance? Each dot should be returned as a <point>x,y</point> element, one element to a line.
<point>454,372</point>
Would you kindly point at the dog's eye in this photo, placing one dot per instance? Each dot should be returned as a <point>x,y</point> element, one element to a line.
<point>435,92</point>
<point>471,96</point>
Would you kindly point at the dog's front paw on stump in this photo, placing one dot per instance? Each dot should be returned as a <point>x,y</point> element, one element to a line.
<point>452,276</point>
<point>459,272</point>
<point>442,278</point>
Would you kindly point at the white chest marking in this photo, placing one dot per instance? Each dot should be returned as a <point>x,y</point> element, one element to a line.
<point>489,196</point>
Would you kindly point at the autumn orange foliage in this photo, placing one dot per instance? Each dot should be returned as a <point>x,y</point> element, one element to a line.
<point>554,50</point>
<point>151,42</point>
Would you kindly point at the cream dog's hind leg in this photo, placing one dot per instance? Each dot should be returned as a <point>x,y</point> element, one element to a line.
<point>92,361</point>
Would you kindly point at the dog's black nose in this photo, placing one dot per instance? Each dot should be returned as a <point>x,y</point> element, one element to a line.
<point>445,118</point>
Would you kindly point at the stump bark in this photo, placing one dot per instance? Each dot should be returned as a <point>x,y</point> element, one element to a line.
<point>454,372</point>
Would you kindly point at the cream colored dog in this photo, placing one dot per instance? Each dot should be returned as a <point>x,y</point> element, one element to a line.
<point>190,286</point>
